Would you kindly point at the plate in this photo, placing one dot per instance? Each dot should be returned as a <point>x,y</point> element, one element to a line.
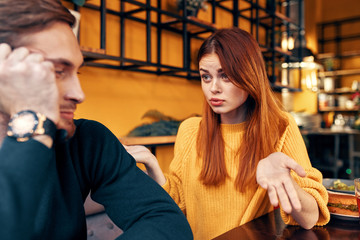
<point>328,182</point>
<point>344,217</point>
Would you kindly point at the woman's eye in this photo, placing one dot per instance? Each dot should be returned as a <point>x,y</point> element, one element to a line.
<point>205,78</point>
<point>224,77</point>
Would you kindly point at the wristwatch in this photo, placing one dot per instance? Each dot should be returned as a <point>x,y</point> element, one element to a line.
<point>26,124</point>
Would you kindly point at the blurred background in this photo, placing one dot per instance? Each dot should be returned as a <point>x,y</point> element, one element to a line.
<point>140,74</point>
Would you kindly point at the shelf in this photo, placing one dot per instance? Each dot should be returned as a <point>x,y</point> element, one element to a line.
<point>278,53</point>
<point>157,19</point>
<point>92,50</point>
<point>347,54</point>
<point>338,109</point>
<point>194,25</point>
<point>347,72</point>
<point>279,19</point>
<point>148,141</point>
<point>279,87</point>
<point>339,91</point>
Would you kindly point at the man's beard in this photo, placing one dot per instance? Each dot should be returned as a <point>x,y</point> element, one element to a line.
<point>67,125</point>
<point>4,121</point>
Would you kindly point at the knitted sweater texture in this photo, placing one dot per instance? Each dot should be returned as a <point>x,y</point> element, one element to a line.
<point>213,210</point>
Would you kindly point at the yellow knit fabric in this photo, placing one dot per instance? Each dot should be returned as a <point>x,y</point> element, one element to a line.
<point>214,210</point>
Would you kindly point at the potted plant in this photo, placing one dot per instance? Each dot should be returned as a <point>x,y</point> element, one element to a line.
<point>78,2</point>
<point>192,7</point>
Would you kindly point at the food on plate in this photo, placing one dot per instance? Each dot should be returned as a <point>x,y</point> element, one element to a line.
<point>338,185</point>
<point>343,204</point>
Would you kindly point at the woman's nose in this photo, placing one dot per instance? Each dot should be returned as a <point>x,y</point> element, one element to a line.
<point>215,86</point>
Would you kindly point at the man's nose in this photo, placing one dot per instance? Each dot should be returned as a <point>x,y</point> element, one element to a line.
<point>75,92</point>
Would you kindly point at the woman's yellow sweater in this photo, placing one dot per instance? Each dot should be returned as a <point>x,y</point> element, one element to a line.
<point>213,210</point>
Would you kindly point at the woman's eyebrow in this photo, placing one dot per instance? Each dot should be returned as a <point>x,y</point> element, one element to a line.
<point>201,69</point>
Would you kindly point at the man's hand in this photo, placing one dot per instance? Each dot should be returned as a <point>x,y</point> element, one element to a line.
<point>273,174</point>
<point>27,81</point>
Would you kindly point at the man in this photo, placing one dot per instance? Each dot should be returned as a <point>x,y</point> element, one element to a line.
<point>46,174</point>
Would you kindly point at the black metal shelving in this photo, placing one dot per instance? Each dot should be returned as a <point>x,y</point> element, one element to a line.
<point>332,40</point>
<point>272,18</point>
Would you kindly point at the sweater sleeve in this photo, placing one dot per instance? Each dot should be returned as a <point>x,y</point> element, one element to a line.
<point>24,170</point>
<point>185,139</point>
<point>292,144</point>
<point>135,203</point>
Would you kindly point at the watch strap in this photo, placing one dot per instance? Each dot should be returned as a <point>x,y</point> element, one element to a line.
<point>42,126</point>
<point>48,128</point>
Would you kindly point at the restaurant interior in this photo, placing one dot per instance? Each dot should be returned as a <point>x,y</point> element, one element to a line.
<point>140,68</point>
<point>141,80</point>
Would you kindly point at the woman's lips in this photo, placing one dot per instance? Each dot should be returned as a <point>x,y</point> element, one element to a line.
<point>216,102</point>
<point>67,115</point>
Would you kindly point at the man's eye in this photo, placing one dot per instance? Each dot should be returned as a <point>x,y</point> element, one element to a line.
<point>59,73</point>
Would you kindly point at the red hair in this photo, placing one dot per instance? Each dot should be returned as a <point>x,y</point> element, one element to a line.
<point>241,60</point>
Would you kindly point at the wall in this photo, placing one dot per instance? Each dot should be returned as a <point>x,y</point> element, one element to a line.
<point>118,99</point>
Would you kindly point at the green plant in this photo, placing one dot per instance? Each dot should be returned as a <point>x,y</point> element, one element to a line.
<point>192,6</point>
<point>78,2</point>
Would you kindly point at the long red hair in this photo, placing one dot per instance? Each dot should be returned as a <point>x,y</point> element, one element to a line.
<point>241,60</point>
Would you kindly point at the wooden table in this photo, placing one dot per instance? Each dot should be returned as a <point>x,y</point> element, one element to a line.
<point>271,226</point>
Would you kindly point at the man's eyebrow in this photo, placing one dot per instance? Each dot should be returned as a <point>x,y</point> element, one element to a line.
<point>62,61</point>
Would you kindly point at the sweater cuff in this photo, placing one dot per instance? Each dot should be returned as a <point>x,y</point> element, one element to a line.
<point>312,184</point>
<point>166,186</point>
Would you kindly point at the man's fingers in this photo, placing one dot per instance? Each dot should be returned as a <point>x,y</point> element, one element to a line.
<point>34,57</point>
<point>19,54</point>
<point>5,50</point>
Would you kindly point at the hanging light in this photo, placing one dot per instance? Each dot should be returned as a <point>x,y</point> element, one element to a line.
<point>290,43</point>
<point>287,42</point>
<point>284,41</point>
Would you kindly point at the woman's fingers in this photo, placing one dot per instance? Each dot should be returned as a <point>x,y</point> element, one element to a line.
<point>292,195</point>
<point>283,198</point>
<point>292,164</point>
<point>273,196</point>
<point>285,193</point>
<point>140,153</point>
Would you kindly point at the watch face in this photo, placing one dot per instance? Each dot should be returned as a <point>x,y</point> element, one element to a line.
<point>23,124</point>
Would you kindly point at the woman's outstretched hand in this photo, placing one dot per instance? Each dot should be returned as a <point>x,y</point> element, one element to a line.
<point>273,174</point>
<point>142,155</point>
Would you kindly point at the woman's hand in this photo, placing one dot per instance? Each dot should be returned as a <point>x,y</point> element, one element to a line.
<point>142,155</point>
<point>273,174</point>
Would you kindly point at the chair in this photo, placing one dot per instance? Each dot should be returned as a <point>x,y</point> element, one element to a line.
<point>99,225</point>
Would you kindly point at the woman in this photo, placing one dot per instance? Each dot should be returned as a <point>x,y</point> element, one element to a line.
<point>245,156</point>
